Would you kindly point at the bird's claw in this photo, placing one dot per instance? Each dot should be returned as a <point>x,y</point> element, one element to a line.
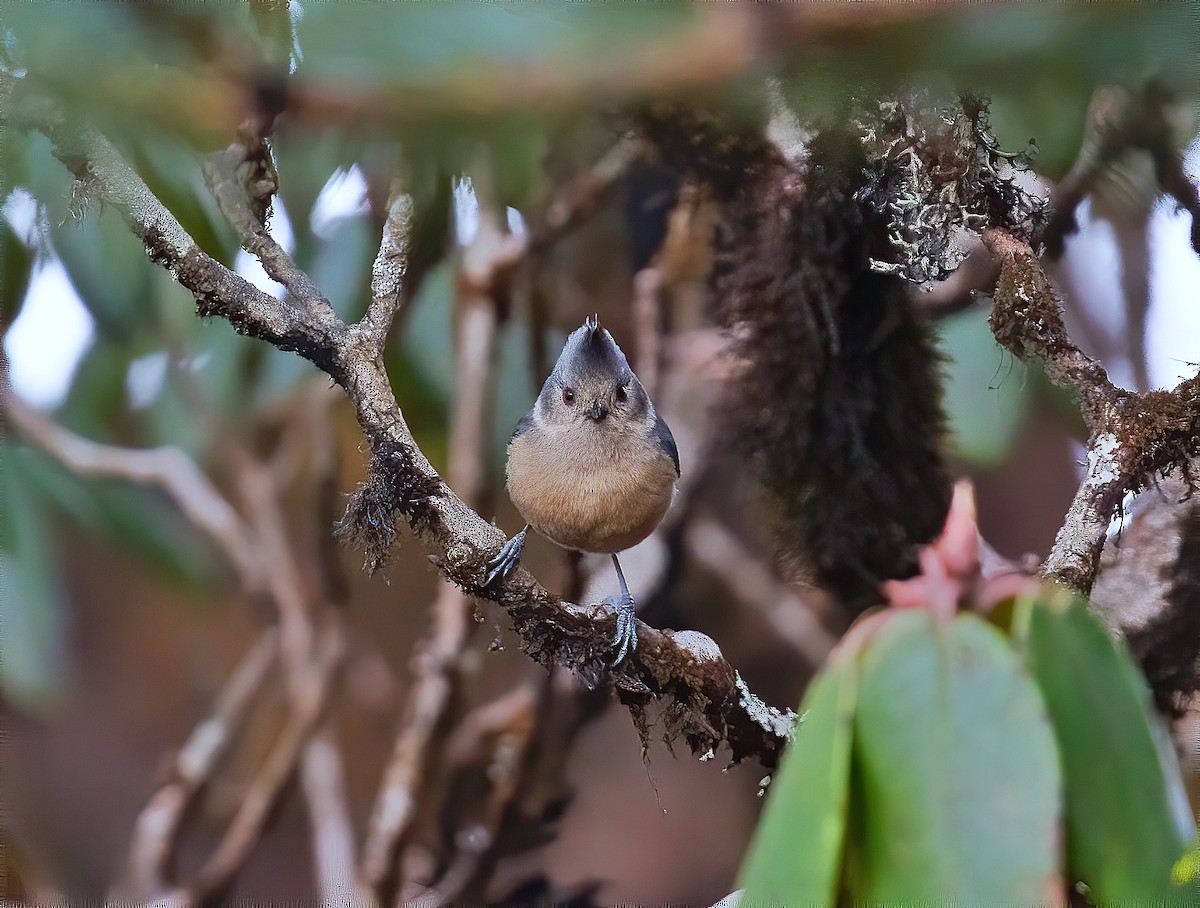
<point>506,559</point>
<point>625,641</point>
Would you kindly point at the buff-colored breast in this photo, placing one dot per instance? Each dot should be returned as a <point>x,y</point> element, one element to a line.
<point>588,496</point>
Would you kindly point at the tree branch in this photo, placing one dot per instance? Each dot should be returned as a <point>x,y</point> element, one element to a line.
<point>390,267</point>
<point>247,825</point>
<point>1133,438</point>
<point>157,825</point>
<point>402,482</point>
<point>104,174</point>
<point>226,173</point>
<point>167,467</point>
<point>436,661</point>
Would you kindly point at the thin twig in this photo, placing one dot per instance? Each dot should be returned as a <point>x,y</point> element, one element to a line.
<point>575,200</point>
<point>721,553</point>
<point>507,766</point>
<point>976,274</point>
<point>391,265</point>
<point>167,467</point>
<point>437,657</point>
<point>1120,124</point>
<point>323,780</point>
<point>245,830</point>
<point>1132,437</point>
<point>223,171</point>
<point>321,765</point>
<point>157,826</point>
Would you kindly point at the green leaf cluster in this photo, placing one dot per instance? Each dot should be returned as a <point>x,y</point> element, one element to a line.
<point>976,762</point>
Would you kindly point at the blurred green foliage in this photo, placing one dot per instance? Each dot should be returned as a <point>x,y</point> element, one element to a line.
<point>938,762</point>
<point>986,390</point>
<point>32,637</point>
<point>966,762</point>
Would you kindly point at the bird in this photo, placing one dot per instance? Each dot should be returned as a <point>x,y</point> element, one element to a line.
<point>591,467</point>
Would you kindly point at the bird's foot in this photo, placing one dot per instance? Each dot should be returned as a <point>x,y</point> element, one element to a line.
<point>507,558</point>
<point>625,640</point>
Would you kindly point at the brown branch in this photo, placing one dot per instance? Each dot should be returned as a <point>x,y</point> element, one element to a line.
<point>321,766</point>
<point>245,830</point>
<point>229,175</point>
<point>977,273</point>
<point>403,483</point>
<point>581,195</point>
<point>311,657</point>
<point>1132,437</point>
<point>157,826</point>
<point>722,554</point>
<point>167,467</point>
<point>435,663</point>
<point>104,174</point>
<point>323,780</point>
<point>390,267</point>
<point>507,768</point>
<point>1147,590</point>
<point>1118,125</point>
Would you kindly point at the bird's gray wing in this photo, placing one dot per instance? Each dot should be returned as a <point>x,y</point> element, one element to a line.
<point>661,434</point>
<point>526,423</point>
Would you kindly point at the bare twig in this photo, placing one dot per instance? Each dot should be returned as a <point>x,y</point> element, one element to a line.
<point>157,825</point>
<point>580,196</point>
<point>287,588</point>
<point>225,174</point>
<point>323,780</point>
<point>391,265</point>
<point>245,830</point>
<point>721,553</point>
<point>311,658</point>
<point>322,772</point>
<point>957,293</point>
<point>647,318</point>
<point>507,766</point>
<point>1132,437</point>
<point>1120,125</point>
<point>167,467</point>
<point>437,657</point>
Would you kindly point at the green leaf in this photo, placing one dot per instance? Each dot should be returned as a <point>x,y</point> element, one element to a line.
<point>985,390</point>
<point>16,268</point>
<point>32,643</point>
<point>342,266</point>
<point>1123,838</point>
<point>796,856</point>
<point>174,173</point>
<point>957,791</point>
<point>108,268</point>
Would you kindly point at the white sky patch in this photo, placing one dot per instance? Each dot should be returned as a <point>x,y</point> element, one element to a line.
<point>21,211</point>
<point>516,222</point>
<point>296,16</point>
<point>1092,266</point>
<point>344,195</point>
<point>466,211</point>
<point>48,338</point>
<point>1173,326</point>
<point>251,269</point>
<point>145,378</point>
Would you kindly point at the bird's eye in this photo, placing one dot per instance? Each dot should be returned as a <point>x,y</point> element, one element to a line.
<point>569,396</point>
<point>622,394</point>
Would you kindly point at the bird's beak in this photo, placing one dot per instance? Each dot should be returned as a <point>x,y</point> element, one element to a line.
<point>597,411</point>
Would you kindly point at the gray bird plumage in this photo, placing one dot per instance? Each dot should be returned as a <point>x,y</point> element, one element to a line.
<point>591,466</point>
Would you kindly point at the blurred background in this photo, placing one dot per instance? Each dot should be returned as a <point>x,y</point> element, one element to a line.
<point>123,621</point>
